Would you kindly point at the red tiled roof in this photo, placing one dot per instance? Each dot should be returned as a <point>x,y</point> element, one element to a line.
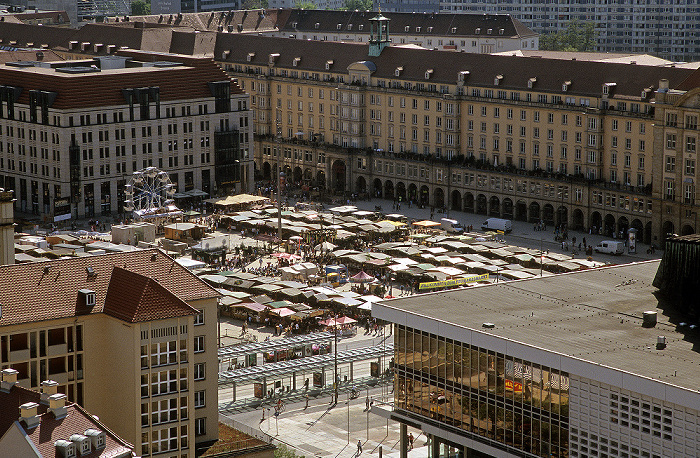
<point>134,298</point>
<point>49,290</point>
<point>50,429</point>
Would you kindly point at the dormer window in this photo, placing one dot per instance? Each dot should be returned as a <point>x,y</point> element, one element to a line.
<point>360,27</point>
<point>87,297</point>
<point>531,82</point>
<point>565,86</point>
<point>294,25</point>
<point>430,29</point>
<point>608,88</point>
<point>500,31</point>
<point>407,28</point>
<point>497,80</point>
<point>296,61</point>
<point>477,31</point>
<point>317,25</point>
<point>273,58</point>
<point>462,76</point>
<point>398,71</point>
<point>489,31</point>
<point>250,56</point>
<point>418,29</point>
<point>454,29</point>
<point>329,64</point>
<point>349,26</point>
<point>428,73</point>
<point>339,26</point>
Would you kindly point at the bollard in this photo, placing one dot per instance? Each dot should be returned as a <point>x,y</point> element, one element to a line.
<point>380,451</point>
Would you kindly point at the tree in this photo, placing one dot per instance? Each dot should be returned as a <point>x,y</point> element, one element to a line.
<point>254,4</point>
<point>282,451</point>
<point>578,36</point>
<point>140,7</point>
<point>304,5</point>
<point>362,5</point>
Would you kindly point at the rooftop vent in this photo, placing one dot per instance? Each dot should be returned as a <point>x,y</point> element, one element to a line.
<point>660,342</point>
<point>649,319</point>
<point>488,325</point>
<point>28,414</point>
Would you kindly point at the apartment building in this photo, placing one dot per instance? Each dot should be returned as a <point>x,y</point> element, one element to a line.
<point>474,33</point>
<point>530,139</point>
<point>578,365</point>
<point>74,132</point>
<point>675,139</point>
<point>130,336</point>
<point>477,33</point>
<point>36,425</point>
<point>665,29</point>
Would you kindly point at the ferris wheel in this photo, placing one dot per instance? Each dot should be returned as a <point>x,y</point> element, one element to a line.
<point>148,190</point>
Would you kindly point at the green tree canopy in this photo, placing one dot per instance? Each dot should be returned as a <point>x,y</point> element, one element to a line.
<point>254,4</point>
<point>362,5</point>
<point>140,7</point>
<point>304,5</point>
<point>578,36</point>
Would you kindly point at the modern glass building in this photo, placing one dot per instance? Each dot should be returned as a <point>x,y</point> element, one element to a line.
<point>586,364</point>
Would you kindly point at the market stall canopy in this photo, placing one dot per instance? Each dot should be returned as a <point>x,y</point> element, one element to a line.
<point>426,223</point>
<point>228,300</point>
<point>340,321</point>
<point>325,246</point>
<point>252,306</point>
<point>362,277</point>
<point>238,199</point>
<point>262,299</point>
<point>284,311</point>
<point>278,304</point>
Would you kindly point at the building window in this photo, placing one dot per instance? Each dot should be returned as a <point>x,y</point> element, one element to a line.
<point>200,426</point>
<point>199,344</point>
<point>199,371</point>
<point>199,318</point>
<point>199,399</point>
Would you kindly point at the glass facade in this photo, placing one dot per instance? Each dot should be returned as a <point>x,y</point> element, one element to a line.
<point>506,402</point>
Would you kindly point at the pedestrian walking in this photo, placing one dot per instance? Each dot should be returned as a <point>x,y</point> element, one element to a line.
<point>359,448</point>
<point>307,402</point>
<point>410,441</point>
<point>367,403</point>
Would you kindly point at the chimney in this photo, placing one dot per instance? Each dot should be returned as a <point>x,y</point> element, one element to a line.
<point>9,378</point>
<point>48,387</point>
<point>57,405</point>
<point>28,414</point>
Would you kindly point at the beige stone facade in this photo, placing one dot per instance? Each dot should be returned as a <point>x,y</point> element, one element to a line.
<point>153,381</point>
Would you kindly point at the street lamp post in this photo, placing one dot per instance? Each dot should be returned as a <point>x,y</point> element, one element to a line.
<point>279,185</point>
<point>335,360</point>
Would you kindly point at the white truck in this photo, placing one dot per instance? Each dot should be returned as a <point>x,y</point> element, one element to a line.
<point>497,224</point>
<point>610,247</point>
<point>451,225</point>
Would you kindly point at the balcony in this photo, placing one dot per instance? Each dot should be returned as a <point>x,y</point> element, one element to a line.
<point>58,349</point>
<point>19,355</point>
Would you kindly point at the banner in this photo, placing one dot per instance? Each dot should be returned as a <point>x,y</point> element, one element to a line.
<point>514,386</point>
<point>453,282</point>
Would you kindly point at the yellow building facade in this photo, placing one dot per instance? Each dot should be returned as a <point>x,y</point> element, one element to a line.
<point>146,366</point>
<point>529,139</point>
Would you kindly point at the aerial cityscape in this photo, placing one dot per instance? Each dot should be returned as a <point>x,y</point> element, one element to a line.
<point>268,228</point>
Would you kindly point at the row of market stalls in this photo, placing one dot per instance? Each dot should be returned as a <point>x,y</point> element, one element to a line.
<point>283,301</point>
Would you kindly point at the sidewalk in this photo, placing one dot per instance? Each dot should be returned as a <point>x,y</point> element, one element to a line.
<point>321,430</point>
<point>521,230</point>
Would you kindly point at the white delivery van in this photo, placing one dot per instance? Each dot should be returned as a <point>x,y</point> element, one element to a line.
<point>497,224</point>
<point>610,247</point>
<point>451,225</point>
